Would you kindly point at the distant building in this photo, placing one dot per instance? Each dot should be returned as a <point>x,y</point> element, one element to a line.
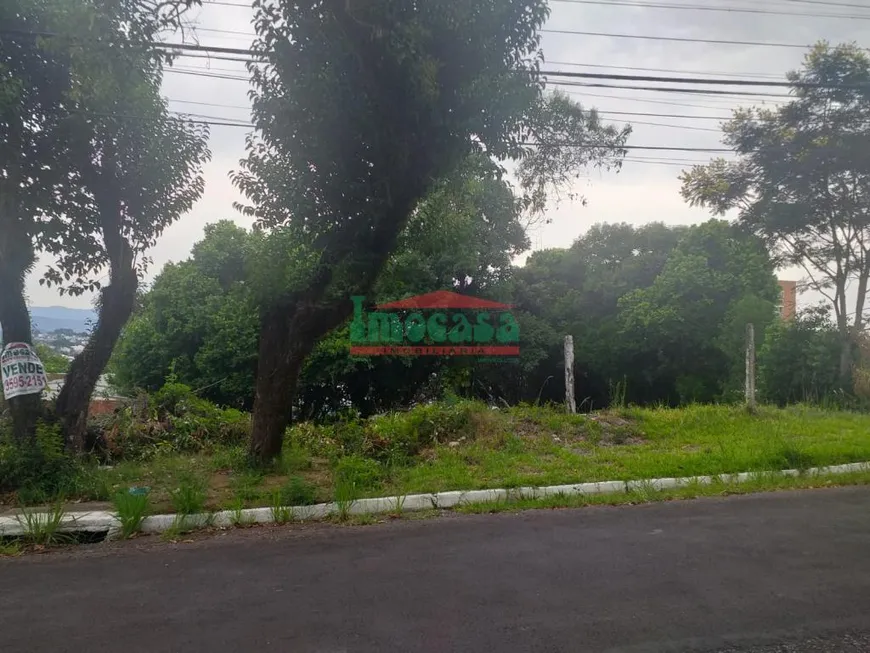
<point>787,299</point>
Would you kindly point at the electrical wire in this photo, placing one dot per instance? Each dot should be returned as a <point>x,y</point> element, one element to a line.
<point>670,89</point>
<point>677,39</point>
<point>666,70</point>
<point>688,7</point>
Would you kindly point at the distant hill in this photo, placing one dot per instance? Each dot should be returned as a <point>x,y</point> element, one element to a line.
<point>51,318</point>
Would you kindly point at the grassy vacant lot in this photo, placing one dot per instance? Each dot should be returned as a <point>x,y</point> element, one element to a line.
<point>466,445</point>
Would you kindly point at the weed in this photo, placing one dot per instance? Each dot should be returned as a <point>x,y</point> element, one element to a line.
<point>246,485</point>
<point>294,459</point>
<point>130,510</point>
<point>281,514</point>
<point>399,504</point>
<point>297,492</point>
<point>189,498</point>
<point>174,532</point>
<point>11,548</point>
<point>362,473</point>
<point>617,393</point>
<point>237,517</point>
<point>229,458</point>
<point>346,495</point>
<point>43,528</point>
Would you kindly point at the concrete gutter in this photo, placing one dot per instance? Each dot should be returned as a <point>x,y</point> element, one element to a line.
<point>106,522</point>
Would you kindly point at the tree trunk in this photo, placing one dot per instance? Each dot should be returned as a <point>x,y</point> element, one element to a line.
<point>25,410</point>
<point>16,260</point>
<point>286,339</point>
<point>73,403</point>
<point>846,362</point>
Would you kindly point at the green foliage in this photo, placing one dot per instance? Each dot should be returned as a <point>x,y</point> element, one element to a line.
<point>130,510</point>
<point>801,177</point>
<point>364,474</point>
<point>297,492</point>
<point>39,470</point>
<point>190,496</point>
<point>683,326</point>
<point>799,361</point>
<point>174,419</point>
<point>42,525</point>
<point>53,362</point>
<point>393,438</point>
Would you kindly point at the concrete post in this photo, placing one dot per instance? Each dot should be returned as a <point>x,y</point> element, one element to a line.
<point>570,404</point>
<point>750,367</point>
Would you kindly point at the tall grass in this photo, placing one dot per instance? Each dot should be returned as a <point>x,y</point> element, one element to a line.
<point>41,526</point>
<point>130,510</point>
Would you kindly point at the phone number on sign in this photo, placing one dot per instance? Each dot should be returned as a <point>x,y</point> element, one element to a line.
<point>23,382</point>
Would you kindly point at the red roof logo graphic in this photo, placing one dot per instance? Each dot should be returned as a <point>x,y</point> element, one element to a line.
<point>444,299</point>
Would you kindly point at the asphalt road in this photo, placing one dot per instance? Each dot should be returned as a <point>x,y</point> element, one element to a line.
<point>775,573</point>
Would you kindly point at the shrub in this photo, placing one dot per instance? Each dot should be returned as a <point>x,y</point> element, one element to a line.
<point>393,437</point>
<point>190,496</point>
<point>361,473</point>
<point>39,470</point>
<point>174,419</point>
<point>298,492</point>
<point>130,510</point>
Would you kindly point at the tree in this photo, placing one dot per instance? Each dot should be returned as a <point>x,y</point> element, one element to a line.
<point>359,109</point>
<point>802,180</point>
<point>681,329</point>
<point>576,291</point>
<point>32,89</point>
<point>198,319</point>
<point>130,168</point>
<point>798,361</point>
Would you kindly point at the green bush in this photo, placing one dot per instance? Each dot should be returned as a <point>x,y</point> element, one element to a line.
<point>190,496</point>
<point>175,420</point>
<point>361,473</point>
<point>298,492</point>
<point>393,437</point>
<point>39,470</point>
<point>799,361</point>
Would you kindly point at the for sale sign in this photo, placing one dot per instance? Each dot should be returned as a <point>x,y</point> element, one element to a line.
<point>23,373</point>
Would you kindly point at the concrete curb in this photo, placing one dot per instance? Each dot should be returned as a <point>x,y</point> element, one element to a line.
<point>104,521</point>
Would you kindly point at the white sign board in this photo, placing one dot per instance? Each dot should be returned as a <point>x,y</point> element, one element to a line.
<point>22,371</point>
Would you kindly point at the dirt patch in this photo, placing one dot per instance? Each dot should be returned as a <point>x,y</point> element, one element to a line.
<point>616,430</point>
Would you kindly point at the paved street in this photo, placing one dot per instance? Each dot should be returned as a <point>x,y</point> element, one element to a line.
<point>775,573</point>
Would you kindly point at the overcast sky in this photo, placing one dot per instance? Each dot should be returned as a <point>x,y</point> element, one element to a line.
<point>644,191</point>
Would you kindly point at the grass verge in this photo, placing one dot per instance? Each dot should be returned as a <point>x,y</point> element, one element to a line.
<point>467,445</point>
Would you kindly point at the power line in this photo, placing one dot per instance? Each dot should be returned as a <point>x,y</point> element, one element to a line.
<point>663,124</point>
<point>241,5</point>
<point>662,115</point>
<point>665,70</point>
<point>212,120</point>
<point>675,38</point>
<point>689,7</point>
<point>210,104</point>
<point>671,89</point>
<point>829,4</point>
<point>647,100</point>
<point>197,73</point>
<point>688,80</point>
<point>246,51</point>
<point>608,113</point>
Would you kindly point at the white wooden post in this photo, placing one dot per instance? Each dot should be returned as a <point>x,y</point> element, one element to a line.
<point>570,404</point>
